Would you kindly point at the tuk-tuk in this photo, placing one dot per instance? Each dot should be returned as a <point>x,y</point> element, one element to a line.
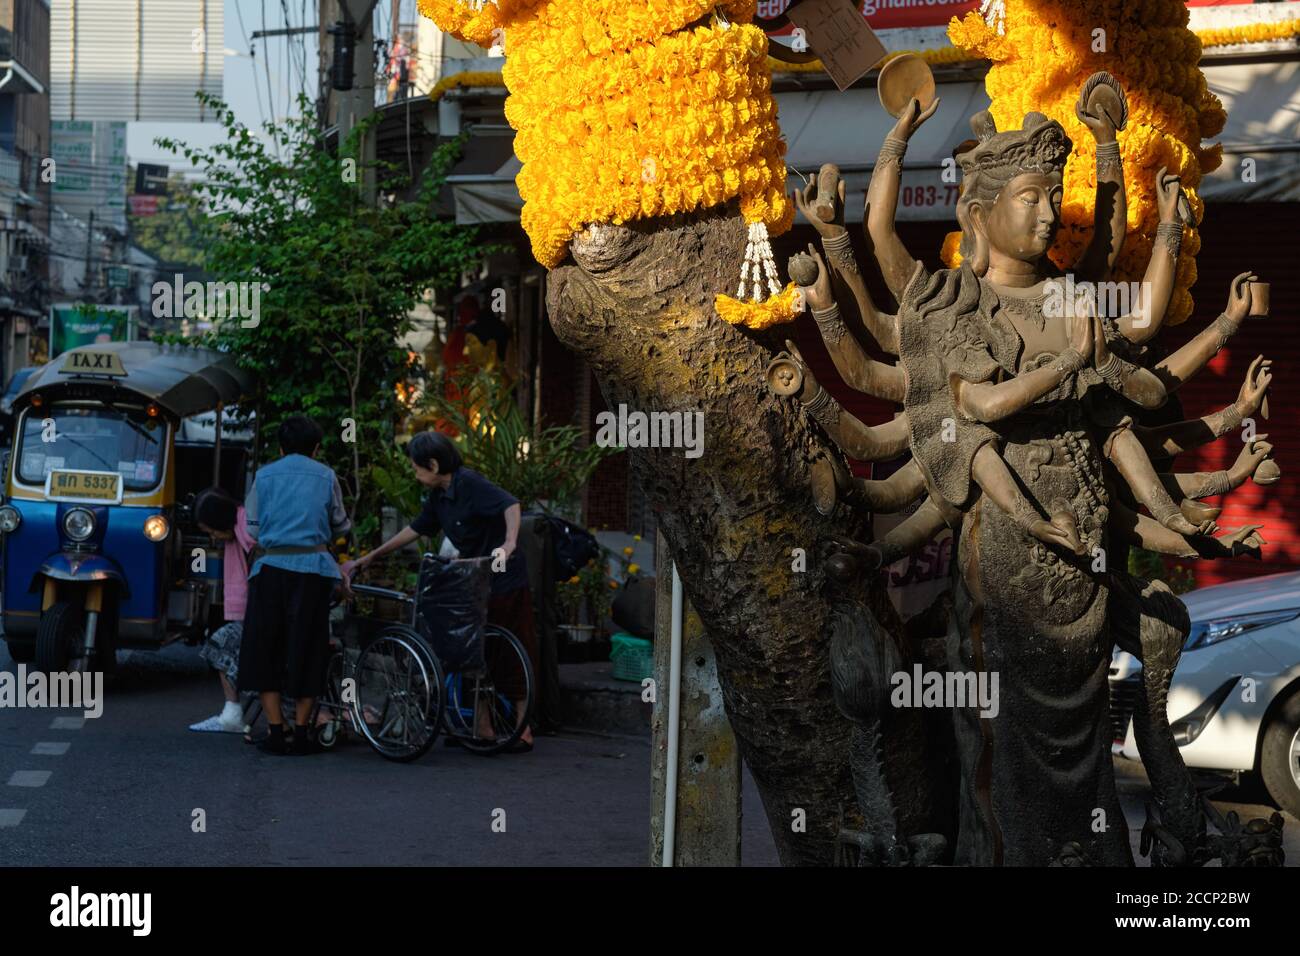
<point>100,550</point>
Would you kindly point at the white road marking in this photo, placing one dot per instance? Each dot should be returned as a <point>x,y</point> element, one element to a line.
<point>67,723</point>
<point>30,778</point>
<point>55,748</point>
<point>11,818</point>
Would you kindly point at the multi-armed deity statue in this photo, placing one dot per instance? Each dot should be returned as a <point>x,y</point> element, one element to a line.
<point>1022,402</point>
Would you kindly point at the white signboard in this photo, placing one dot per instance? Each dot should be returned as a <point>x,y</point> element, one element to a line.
<point>90,169</point>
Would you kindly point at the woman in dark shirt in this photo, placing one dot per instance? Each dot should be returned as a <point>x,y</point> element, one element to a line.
<point>478,518</point>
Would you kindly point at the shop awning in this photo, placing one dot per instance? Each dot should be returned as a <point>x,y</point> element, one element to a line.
<point>1263,104</point>
<point>826,126</point>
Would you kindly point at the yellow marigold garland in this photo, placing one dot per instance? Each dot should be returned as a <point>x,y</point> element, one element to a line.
<point>936,56</point>
<point>1043,59</point>
<point>622,114</point>
<point>774,310</point>
<point>1249,33</point>
<point>465,80</point>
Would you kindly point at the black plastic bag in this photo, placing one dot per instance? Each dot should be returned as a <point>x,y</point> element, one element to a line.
<point>573,546</point>
<point>634,608</point>
<point>453,603</point>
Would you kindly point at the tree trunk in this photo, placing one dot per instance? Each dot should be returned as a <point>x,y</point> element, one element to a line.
<point>638,306</point>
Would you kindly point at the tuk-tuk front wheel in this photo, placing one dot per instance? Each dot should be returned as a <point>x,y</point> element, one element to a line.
<point>61,637</point>
<point>21,652</point>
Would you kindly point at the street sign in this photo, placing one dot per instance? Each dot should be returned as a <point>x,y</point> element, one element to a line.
<point>119,277</point>
<point>841,38</point>
<point>143,205</point>
<point>72,325</point>
<point>151,179</point>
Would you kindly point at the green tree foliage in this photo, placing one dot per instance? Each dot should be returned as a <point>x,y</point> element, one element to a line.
<point>535,465</point>
<point>339,279</point>
<point>172,235</point>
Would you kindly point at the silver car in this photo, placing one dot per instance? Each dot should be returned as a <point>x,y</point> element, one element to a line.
<point>1235,700</point>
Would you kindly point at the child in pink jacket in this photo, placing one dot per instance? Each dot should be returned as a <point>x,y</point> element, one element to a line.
<point>222,517</point>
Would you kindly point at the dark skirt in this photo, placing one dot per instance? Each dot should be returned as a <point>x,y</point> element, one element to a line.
<point>513,610</point>
<point>286,633</point>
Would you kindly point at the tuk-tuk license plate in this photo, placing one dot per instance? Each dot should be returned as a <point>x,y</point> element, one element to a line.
<point>84,486</point>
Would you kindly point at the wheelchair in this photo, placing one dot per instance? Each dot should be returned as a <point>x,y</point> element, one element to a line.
<point>386,684</point>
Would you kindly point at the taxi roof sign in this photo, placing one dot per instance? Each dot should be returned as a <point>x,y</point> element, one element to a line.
<point>91,362</point>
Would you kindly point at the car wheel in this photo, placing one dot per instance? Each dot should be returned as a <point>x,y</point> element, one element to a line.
<point>1280,756</point>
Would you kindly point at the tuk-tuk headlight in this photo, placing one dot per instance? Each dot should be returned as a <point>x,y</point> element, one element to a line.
<point>79,524</point>
<point>156,527</point>
<point>10,519</point>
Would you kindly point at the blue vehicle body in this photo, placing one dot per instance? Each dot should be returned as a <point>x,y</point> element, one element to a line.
<point>99,548</point>
<point>118,554</point>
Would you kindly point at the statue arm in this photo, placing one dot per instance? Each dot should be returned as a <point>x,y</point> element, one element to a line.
<point>1156,289</point>
<point>849,433</point>
<point>1168,440</point>
<point>882,326</point>
<point>1110,215</point>
<point>1191,358</point>
<point>908,537</point>
<point>1206,484</point>
<point>858,369</point>
<point>1138,385</point>
<point>1146,532</point>
<point>894,493</point>
<point>993,401</point>
<point>1165,441</point>
<point>1125,451</point>
<point>1157,286</point>
<point>1200,484</point>
<point>822,204</point>
<point>896,263</point>
<point>1110,206</point>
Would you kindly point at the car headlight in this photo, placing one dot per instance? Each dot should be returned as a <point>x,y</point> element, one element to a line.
<point>156,527</point>
<point>1206,633</point>
<point>79,524</point>
<point>10,519</point>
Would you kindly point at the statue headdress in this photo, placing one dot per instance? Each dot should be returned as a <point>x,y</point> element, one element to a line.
<point>994,159</point>
<point>1039,145</point>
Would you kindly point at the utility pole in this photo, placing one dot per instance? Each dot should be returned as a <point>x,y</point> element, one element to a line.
<point>695,777</point>
<point>356,104</point>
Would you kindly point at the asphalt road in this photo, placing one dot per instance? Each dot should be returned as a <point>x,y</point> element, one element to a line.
<point>124,789</point>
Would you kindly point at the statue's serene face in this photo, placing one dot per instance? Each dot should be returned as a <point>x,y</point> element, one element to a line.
<point>1023,220</point>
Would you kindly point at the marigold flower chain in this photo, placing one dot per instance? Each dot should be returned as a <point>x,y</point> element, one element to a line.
<point>1041,61</point>
<point>622,113</point>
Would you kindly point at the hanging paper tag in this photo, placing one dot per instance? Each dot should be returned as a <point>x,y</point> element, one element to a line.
<point>839,34</point>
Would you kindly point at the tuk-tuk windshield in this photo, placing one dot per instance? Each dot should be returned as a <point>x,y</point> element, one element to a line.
<point>124,440</point>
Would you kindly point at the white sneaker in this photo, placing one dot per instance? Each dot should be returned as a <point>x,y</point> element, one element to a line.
<point>218,723</point>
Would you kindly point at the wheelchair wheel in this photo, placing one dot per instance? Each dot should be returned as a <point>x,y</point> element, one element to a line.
<point>397,694</point>
<point>330,703</point>
<point>494,697</point>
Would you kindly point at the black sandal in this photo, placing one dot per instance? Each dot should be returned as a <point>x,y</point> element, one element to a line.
<point>277,745</point>
<point>258,740</point>
<point>305,745</point>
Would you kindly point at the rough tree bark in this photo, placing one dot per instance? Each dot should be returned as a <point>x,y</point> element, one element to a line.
<point>637,303</point>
